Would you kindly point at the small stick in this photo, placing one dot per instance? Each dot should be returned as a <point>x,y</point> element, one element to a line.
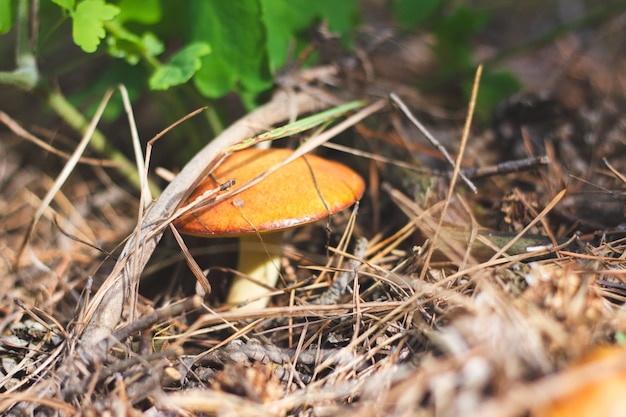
<point>456,173</point>
<point>434,142</point>
<point>124,365</point>
<point>147,321</point>
<point>507,167</point>
<point>614,171</point>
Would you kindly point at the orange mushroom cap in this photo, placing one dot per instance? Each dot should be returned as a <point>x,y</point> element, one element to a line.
<point>603,397</point>
<point>305,190</point>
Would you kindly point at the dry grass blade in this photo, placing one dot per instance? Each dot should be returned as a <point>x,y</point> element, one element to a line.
<point>9,400</point>
<point>536,220</point>
<point>191,262</point>
<point>23,133</point>
<point>146,195</point>
<point>432,139</point>
<point>457,165</point>
<point>63,175</point>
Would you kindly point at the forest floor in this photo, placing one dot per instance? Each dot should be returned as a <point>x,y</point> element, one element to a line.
<point>444,301</point>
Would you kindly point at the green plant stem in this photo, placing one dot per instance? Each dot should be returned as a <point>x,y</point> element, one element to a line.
<point>120,32</point>
<point>214,120</point>
<point>23,79</point>
<point>26,77</point>
<point>23,51</point>
<point>98,142</point>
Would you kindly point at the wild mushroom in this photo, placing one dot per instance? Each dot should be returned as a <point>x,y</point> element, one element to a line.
<point>305,190</point>
<point>599,392</point>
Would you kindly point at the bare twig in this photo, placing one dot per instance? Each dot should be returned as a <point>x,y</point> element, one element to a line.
<point>457,172</point>
<point>433,141</point>
<point>67,169</point>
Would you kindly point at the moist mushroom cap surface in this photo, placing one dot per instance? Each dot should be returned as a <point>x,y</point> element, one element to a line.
<point>305,190</point>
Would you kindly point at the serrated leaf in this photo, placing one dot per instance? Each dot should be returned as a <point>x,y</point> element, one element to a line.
<point>88,19</point>
<point>181,67</point>
<point>65,4</point>
<point>147,12</point>
<point>6,16</point>
<point>237,37</point>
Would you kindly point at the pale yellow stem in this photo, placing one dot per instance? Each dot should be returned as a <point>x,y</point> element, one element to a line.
<point>259,262</point>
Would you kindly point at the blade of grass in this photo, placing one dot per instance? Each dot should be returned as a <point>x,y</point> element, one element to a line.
<point>297,126</point>
<point>63,175</point>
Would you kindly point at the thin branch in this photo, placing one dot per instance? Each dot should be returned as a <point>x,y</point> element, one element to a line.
<point>433,141</point>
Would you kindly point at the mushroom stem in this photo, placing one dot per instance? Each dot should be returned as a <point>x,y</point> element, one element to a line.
<point>260,262</point>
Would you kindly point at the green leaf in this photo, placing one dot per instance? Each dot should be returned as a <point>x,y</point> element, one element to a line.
<point>6,16</point>
<point>87,28</point>
<point>131,47</point>
<point>236,33</point>
<point>181,67</point>
<point>453,34</point>
<point>342,16</point>
<point>412,13</point>
<point>495,86</point>
<point>283,20</point>
<point>286,19</point>
<point>147,12</point>
<point>65,4</point>
<point>462,23</point>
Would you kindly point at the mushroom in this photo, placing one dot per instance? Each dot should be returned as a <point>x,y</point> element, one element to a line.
<point>303,191</point>
<point>597,392</point>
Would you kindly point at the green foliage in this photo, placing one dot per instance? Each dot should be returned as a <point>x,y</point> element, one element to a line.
<point>216,46</point>
<point>412,13</point>
<point>6,16</point>
<point>181,67</point>
<point>236,34</point>
<point>147,12</point>
<point>131,47</point>
<point>223,46</point>
<point>494,87</point>
<point>68,5</point>
<point>454,34</point>
<point>88,19</point>
<point>284,20</point>
<point>453,30</point>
